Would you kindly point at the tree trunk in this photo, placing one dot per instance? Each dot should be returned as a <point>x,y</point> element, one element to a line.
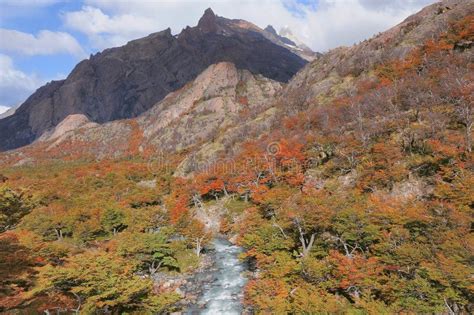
<point>198,246</point>
<point>306,244</point>
<point>346,249</point>
<point>309,245</point>
<point>152,269</point>
<point>469,137</point>
<point>225,191</point>
<point>59,234</point>
<point>79,303</point>
<point>450,310</point>
<point>197,201</point>
<point>280,228</point>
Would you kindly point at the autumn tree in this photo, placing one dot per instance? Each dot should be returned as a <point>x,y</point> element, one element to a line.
<point>113,220</point>
<point>309,218</point>
<point>196,235</point>
<point>102,282</point>
<point>51,222</point>
<point>16,266</point>
<point>13,206</point>
<point>151,250</point>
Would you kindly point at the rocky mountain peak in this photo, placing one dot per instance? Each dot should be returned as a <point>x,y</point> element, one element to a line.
<point>286,39</point>
<point>270,29</point>
<point>123,82</point>
<point>208,22</point>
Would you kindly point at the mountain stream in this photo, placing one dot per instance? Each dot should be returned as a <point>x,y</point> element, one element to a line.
<point>224,293</point>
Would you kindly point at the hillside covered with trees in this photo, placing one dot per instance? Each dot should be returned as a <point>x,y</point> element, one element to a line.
<point>360,202</point>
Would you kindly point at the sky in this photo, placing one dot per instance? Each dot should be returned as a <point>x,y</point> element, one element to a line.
<point>42,40</point>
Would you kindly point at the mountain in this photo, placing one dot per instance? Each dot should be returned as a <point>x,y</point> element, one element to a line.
<point>124,82</point>
<point>205,124</point>
<point>287,39</point>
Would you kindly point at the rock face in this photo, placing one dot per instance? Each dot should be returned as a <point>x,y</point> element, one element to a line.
<point>126,81</point>
<point>221,98</point>
<point>70,123</point>
<point>214,102</point>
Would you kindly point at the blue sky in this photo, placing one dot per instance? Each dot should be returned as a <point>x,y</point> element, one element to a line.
<point>42,40</point>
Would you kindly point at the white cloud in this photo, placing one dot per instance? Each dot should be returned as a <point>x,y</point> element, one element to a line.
<point>328,24</point>
<point>45,43</point>
<point>394,5</point>
<point>104,30</point>
<point>15,85</point>
<point>336,23</point>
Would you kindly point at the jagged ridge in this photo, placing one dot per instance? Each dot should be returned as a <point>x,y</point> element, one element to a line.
<point>124,82</point>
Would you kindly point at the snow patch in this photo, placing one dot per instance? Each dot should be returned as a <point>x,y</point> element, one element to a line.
<point>3,109</point>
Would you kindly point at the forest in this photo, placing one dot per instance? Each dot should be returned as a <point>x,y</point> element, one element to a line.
<point>361,206</point>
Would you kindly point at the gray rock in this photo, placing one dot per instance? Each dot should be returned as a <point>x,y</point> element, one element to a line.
<point>124,82</point>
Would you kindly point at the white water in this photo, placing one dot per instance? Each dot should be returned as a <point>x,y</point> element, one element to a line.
<point>224,294</point>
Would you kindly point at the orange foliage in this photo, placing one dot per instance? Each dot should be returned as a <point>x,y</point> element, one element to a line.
<point>355,271</point>
<point>269,296</point>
